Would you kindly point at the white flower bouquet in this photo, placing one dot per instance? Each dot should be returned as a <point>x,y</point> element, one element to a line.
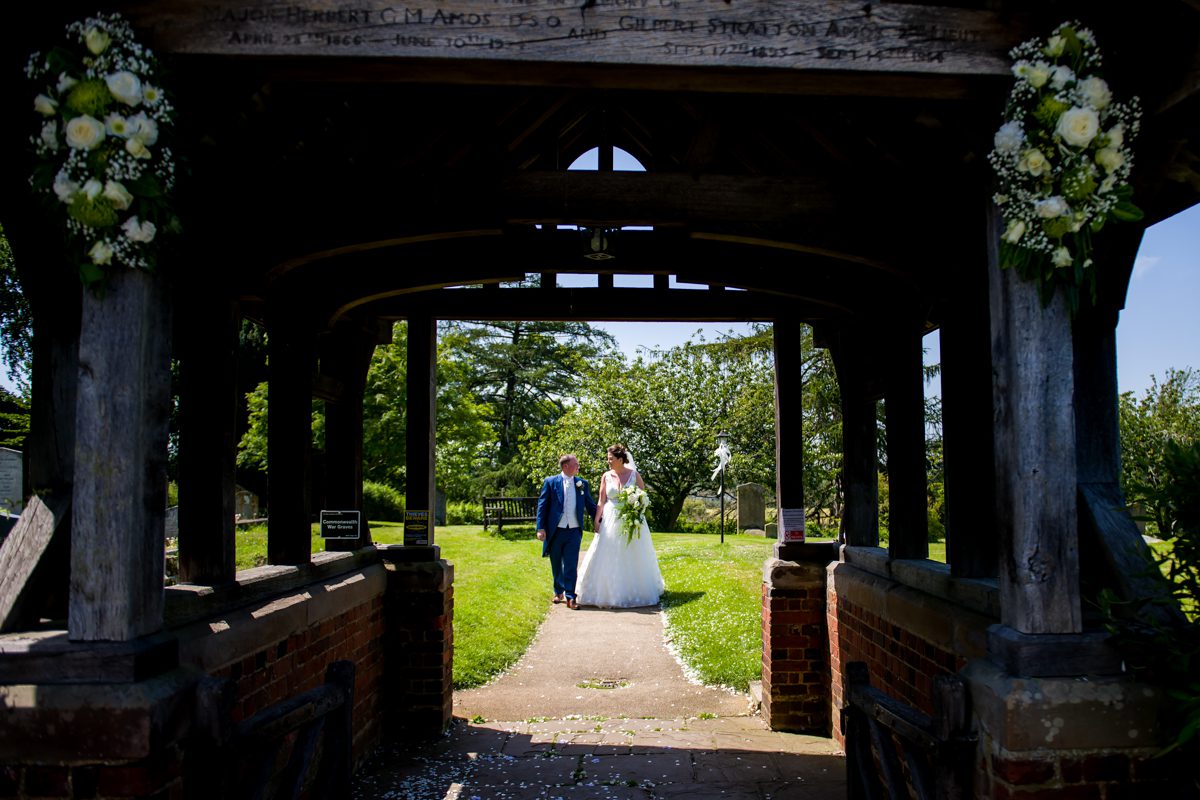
<point>1062,159</point>
<point>100,158</point>
<point>632,503</point>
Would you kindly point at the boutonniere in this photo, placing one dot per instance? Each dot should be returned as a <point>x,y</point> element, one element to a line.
<point>579,484</point>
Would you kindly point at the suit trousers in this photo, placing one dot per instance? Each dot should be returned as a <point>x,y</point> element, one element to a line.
<point>564,559</point>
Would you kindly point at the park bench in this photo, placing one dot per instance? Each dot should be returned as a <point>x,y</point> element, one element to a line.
<point>894,750</point>
<point>501,510</point>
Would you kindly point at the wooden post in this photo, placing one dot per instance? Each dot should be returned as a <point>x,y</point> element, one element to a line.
<point>1035,453</point>
<point>972,543</point>
<point>908,520</point>
<point>289,445</point>
<point>347,357</point>
<point>207,441</point>
<point>422,415</point>
<point>789,420</point>
<point>860,463</point>
<point>120,495</point>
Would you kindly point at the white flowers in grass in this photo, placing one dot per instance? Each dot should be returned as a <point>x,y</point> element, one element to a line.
<point>1062,159</point>
<point>102,114</point>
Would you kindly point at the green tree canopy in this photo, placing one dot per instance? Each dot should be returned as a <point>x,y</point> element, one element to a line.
<point>16,321</point>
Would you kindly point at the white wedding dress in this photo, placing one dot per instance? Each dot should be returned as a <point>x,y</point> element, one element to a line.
<point>616,574</point>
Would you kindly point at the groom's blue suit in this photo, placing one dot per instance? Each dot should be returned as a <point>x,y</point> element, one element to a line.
<point>561,544</point>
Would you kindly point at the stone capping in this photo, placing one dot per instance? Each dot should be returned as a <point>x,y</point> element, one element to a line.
<point>981,595</point>
<point>188,602</point>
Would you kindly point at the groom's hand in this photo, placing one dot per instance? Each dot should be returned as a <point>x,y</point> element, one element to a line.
<point>541,536</point>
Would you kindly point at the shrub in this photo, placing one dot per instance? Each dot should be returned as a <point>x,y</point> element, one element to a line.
<point>382,502</point>
<point>464,512</point>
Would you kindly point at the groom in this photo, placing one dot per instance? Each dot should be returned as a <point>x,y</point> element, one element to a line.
<point>561,503</point>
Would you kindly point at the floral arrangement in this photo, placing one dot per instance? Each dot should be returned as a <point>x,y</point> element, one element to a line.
<point>632,503</point>
<point>1062,158</point>
<point>99,154</point>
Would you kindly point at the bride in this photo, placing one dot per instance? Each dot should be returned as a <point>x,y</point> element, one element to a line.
<point>617,573</point>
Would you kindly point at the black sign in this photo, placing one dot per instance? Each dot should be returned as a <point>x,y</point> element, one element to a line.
<point>340,525</point>
<point>417,528</point>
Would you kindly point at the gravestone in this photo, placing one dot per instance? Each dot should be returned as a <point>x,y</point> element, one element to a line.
<point>245,504</point>
<point>12,473</point>
<point>171,523</point>
<point>751,506</point>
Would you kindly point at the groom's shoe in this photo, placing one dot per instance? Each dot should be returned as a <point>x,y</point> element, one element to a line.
<point>572,604</point>
<point>558,598</point>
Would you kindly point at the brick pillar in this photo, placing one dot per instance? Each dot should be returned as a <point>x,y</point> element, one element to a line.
<point>796,677</point>
<point>418,642</point>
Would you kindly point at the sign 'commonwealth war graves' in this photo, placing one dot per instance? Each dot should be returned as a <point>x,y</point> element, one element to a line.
<point>800,34</point>
<point>340,525</point>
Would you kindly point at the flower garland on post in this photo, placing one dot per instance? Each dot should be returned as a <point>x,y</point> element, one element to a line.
<point>98,147</point>
<point>1062,159</point>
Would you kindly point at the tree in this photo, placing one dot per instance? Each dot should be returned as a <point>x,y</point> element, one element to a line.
<point>522,376</point>
<point>16,321</point>
<point>1167,411</point>
<point>668,412</point>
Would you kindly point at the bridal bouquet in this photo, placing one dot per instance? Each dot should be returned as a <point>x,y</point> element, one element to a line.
<point>100,159</point>
<point>1062,160</point>
<point>632,503</point>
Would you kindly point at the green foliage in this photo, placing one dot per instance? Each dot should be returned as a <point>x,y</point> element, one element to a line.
<point>14,420</point>
<point>464,512</point>
<point>1166,411</point>
<point>668,412</point>
<point>16,323</point>
<point>1163,653</point>
<point>382,502</point>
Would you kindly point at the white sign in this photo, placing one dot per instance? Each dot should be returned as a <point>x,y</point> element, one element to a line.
<point>791,524</point>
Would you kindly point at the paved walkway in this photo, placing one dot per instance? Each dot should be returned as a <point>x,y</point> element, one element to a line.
<point>598,708</point>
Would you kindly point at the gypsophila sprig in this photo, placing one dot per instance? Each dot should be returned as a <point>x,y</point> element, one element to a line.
<point>1062,159</point>
<point>632,503</point>
<point>99,145</point>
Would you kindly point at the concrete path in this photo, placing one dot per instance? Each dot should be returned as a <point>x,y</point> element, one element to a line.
<point>599,708</point>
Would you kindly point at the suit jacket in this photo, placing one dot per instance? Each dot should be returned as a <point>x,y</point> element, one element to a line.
<point>550,505</point>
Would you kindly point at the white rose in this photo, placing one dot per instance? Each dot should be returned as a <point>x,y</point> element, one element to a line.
<point>1108,184</point>
<point>1051,207</point>
<point>1115,136</point>
<point>97,40</point>
<point>64,187</point>
<point>92,189</point>
<point>50,134</point>
<point>84,133</point>
<point>1055,46</point>
<point>1095,91</point>
<point>1062,257</point>
<point>65,82</point>
<point>118,195</point>
<point>1033,162</point>
<point>1061,76</point>
<point>151,94</point>
<point>1009,138</point>
<point>1078,126</point>
<point>1016,229</point>
<point>1110,158</point>
<point>125,86</point>
<point>45,105</point>
<point>136,149</point>
<point>144,129</point>
<point>137,231</point>
<point>116,125</point>
<point>1037,74</point>
<point>101,253</point>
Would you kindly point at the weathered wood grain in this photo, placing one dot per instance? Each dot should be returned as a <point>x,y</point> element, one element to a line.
<point>421,419</point>
<point>289,442</point>
<point>21,552</point>
<point>904,408</point>
<point>789,424</point>
<point>1033,400</point>
<point>120,496</point>
<point>780,34</point>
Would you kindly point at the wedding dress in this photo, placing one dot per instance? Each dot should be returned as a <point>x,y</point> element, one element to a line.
<point>616,574</point>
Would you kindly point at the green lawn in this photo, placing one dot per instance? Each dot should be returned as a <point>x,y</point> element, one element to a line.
<point>502,591</point>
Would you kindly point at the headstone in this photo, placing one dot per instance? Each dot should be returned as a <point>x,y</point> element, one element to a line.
<point>772,530</point>
<point>245,505</point>
<point>12,473</point>
<point>439,511</point>
<point>171,523</point>
<point>751,506</point>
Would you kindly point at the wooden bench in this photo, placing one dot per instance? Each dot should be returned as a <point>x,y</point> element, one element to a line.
<point>881,732</point>
<point>508,509</point>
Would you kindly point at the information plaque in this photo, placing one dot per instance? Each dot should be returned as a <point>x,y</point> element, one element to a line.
<point>416,528</point>
<point>340,525</point>
<point>791,524</point>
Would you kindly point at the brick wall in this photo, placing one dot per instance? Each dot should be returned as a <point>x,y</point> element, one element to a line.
<point>159,776</point>
<point>795,676</point>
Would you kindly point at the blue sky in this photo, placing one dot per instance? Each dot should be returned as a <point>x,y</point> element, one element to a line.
<point>1159,328</point>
